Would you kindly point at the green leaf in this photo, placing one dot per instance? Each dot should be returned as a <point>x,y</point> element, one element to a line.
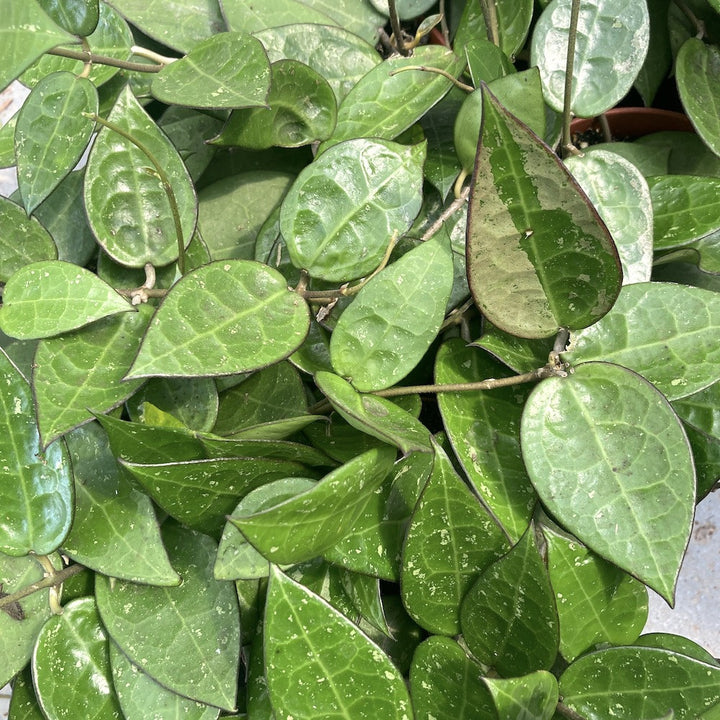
<point>450,539</point>
<point>127,206</point>
<point>341,57</point>
<point>318,664</point>
<point>444,683</point>
<point>508,617</point>
<point>247,16</point>
<point>36,244</point>
<point>392,101</point>
<point>685,208</point>
<point>635,683</point>
<point>27,32</point>
<point>301,110</point>
<point>621,196</point>
<point>394,319</point>
<point>250,447</point>
<point>198,619</point>
<point>36,492</point>
<point>20,623</point>
<point>697,69</point>
<point>71,665</point>
<point>406,9</point>
<point>228,70</point>
<point>706,456</point>
<point>534,695</point>
<point>483,428</point>
<point>596,601</point>
<point>114,529</point>
<point>52,297</point>
<point>702,409</point>
<point>610,460</point>
<point>371,190</point>
<point>659,57</point>
<point>303,527</point>
<point>141,697</point>
<point>23,703</point>
<point>51,133</point>
<point>669,334</point>
<point>374,415</point>
<point>180,26</point>
<point>678,644</point>
<point>538,255</point>
<point>227,317</point>
<point>78,17</point>
<point>78,374</point>
<point>201,493</point>
<point>519,354</point>
<point>359,18</point>
<point>612,42</point>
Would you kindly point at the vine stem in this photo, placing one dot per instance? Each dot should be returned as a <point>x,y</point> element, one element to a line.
<point>491,22</point>
<point>53,580</point>
<point>397,30</point>
<point>568,712</point>
<point>449,211</point>
<point>89,57</point>
<point>162,175</point>
<point>437,71</point>
<point>569,69</point>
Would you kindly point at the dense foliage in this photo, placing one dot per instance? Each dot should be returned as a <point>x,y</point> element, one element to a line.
<point>317,408</point>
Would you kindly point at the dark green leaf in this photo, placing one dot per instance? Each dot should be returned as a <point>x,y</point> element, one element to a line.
<point>78,17</point>
<point>659,57</point>
<point>534,695</point>
<point>218,447</point>
<point>23,703</point>
<point>702,409</point>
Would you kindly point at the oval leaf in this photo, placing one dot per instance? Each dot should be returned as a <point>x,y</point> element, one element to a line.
<point>78,17</point>
<point>534,695</point>
<point>538,255</point>
<point>610,460</point>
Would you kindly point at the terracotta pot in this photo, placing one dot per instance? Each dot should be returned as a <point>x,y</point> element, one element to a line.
<point>629,122</point>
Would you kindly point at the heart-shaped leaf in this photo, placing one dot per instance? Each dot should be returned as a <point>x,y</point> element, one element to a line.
<point>584,438</point>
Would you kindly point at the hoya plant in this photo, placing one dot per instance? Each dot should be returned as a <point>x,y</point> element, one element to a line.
<point>337,382</point>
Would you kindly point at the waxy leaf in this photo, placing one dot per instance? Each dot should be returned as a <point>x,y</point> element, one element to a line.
<point>228,70</point>
<point>374,415</point>
<point>508,617</point>
<point>445,684</point>
<point>534,695</point>
<point>319,664</point>
<point>50,298</point>
<point>198,621</point>
<point>127,205</point>
<point>538,255</point>
<point>71,665</point>
<point>450,539</point>
<point>303,527</point>
<point>78,17</point>
<point>371,189</point>
<point>697,68</point>
<point>114,529</point>
<point>483,428</point>
<point>36,493</point>
<point>80,373</point>
<point>224,318</point>
<point>611,45</point>
<point>394,319</point>
<point>23,703</point>
<point>596,601</point>
<point>584,439</point>
<point>51,133</point>
<point>669,334</point>
<point>630,683</point>
<point>248,16</point>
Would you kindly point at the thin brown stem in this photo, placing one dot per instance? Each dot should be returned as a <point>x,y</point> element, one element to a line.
<point>89,57</point>
<point>693,18</point>
<point>569,69</point>
<point>448,212</point>
<point>437,71</point>
<point>397,30</point>
<point>491,21</point>
<point>569,713</point>
<point>51,581</point>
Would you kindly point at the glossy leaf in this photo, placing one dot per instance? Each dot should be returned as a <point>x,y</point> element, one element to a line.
<point>538,255</point>
<point>279,449</point>
<point>374,415</point>
<point>71,665</point>
<point>114,529</point>
<point>534,695</point>
<point>303,527</point>
<point>198,620</point>
<point>228,70</point>
<point>508,617</point>
<point>128,208</point>
<point>78,17</point>
<point>318,664</point>
<point>371,189</point>
<point>52,297</point>
<point>584,439</point>
<point>611,45</point>
<point>246,16</point>
<point>393,320</point>
<point>596,601</point>
<point>665,332</point>
<point>23,703</point>
<point>36,245</point>
<point>621,196</point>
<point>483,428</point>
<point>27,32</point>
<point>78,374</point>
<point>445,683</point>
<point>51,133</point>
<point>640,683</point>
<point>36,483</point>
<point>702,409</point>
<point>697,67</point>
<point>226,317</point>
<point>450,539</point>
